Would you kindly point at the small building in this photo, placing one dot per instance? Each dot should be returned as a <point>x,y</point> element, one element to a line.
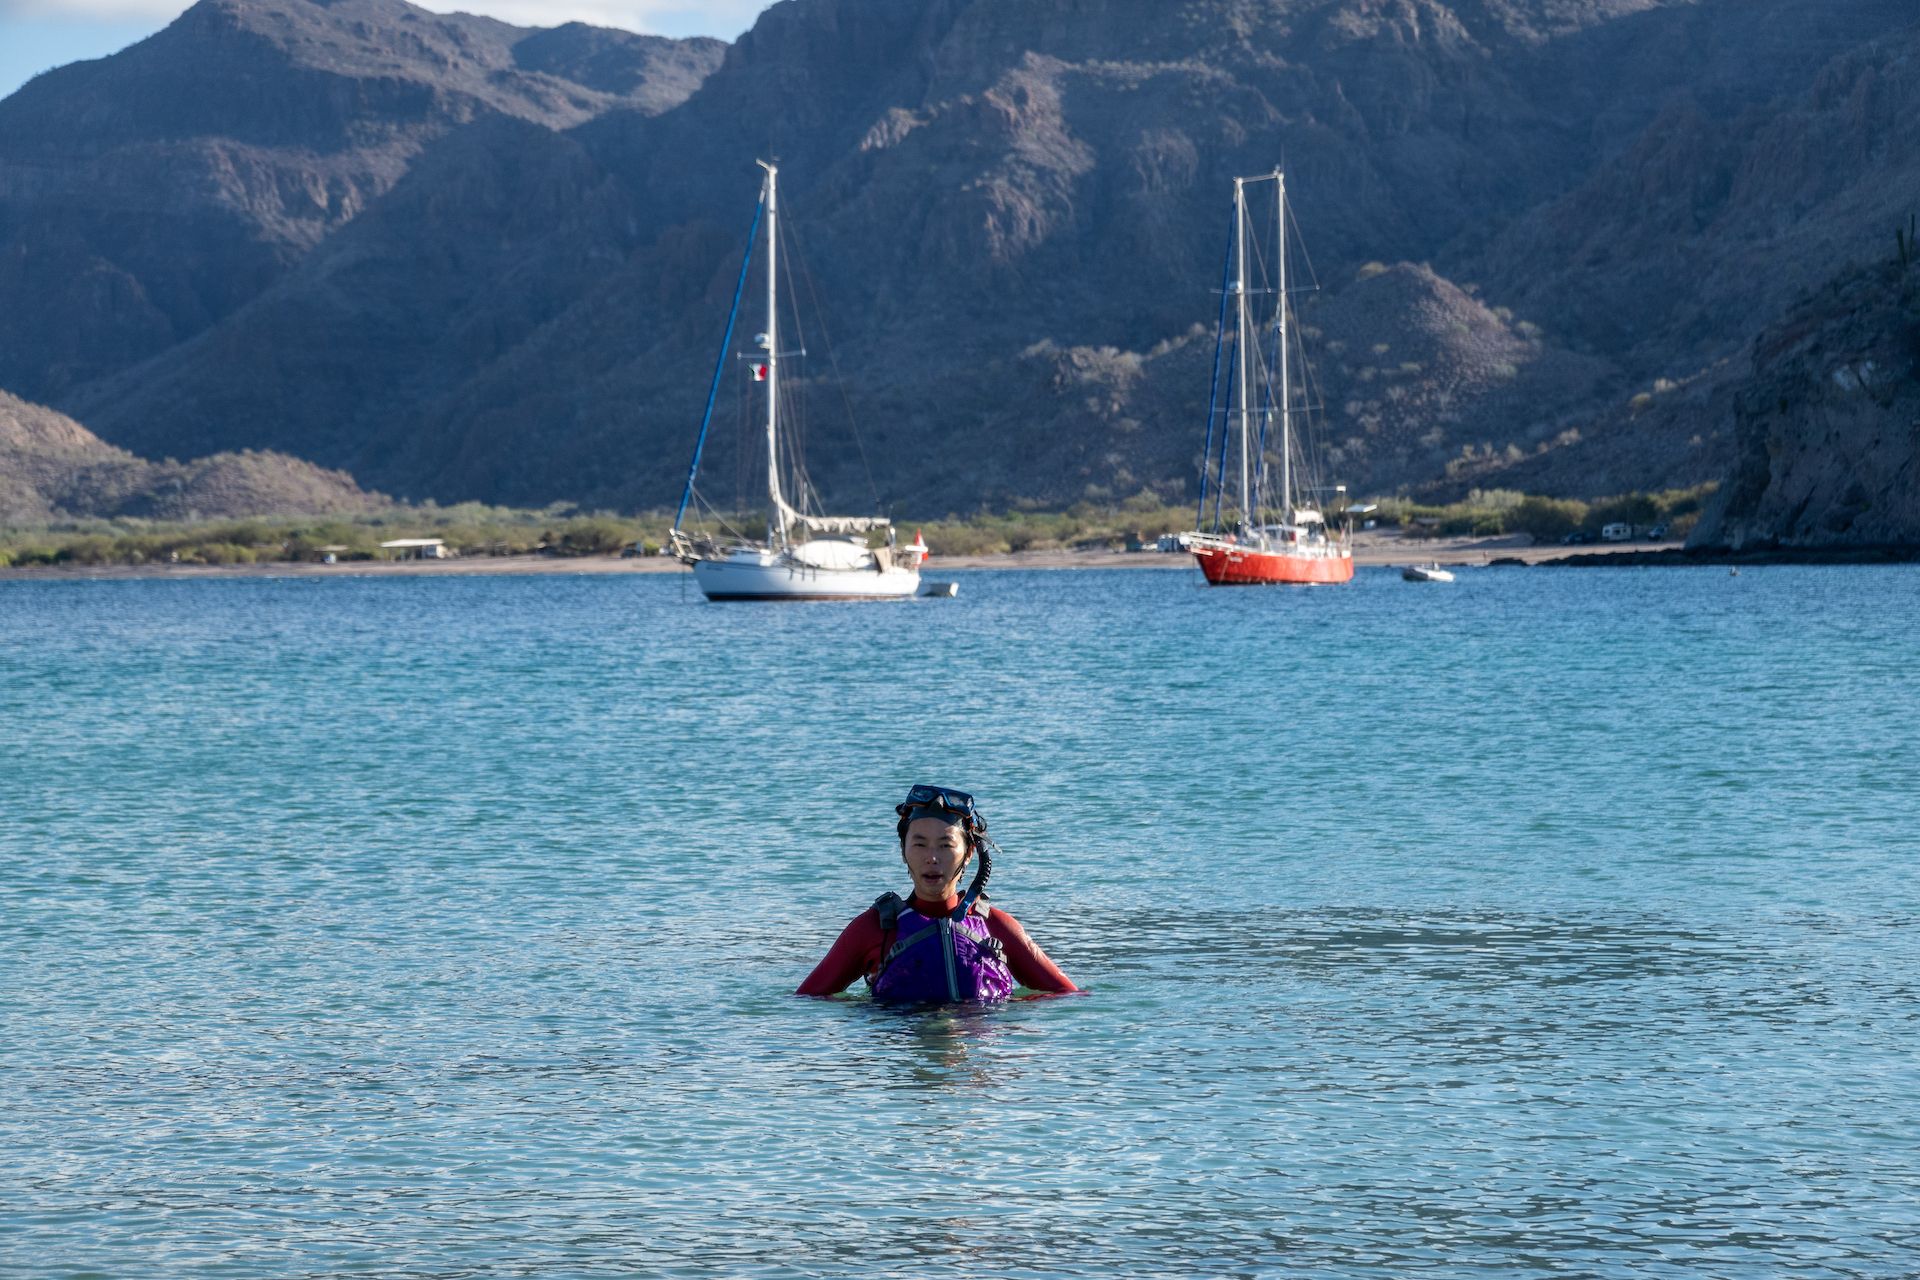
<point>418,549</point>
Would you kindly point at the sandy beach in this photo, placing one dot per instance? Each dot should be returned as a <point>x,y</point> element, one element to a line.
<point>1370,550</point>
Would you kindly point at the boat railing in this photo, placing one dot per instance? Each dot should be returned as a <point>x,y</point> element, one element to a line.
<point>688,547</point>
<point>1329,545</point>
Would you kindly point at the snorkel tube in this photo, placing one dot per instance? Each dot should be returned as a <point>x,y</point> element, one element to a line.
<point>985,848</point>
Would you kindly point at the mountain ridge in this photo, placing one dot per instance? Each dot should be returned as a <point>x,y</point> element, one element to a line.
<point>52,468</point>
<point>147,196</point>
<point>1567,204</point>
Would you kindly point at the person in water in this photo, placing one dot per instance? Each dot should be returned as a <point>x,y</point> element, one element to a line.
<point>937,944</point>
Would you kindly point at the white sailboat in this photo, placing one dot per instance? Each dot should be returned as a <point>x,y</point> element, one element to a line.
<point>805,556</point>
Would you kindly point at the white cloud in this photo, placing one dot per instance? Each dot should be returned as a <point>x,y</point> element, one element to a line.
<point>725,18</point>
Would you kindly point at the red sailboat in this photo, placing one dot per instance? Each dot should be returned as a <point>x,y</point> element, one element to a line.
<point>1279,535</point>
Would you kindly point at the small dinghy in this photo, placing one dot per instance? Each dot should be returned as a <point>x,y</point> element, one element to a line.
<point>1430,572</point>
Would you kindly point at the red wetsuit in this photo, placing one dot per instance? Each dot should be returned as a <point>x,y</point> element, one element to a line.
<point>857,952</point>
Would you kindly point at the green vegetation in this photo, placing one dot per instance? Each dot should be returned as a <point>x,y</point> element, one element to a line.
<point>471,529</point>
<point>1084,524</point>
<point>1494,512</point>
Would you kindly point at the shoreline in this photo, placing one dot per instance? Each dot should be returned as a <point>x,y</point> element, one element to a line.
<point>1683,557</point>
<point>1370,551</point>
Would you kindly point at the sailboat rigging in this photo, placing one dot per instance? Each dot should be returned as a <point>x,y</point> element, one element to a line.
<point>1300,546</point>
<point>805,556</point>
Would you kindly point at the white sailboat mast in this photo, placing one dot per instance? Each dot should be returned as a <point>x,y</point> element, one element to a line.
<point>1247,517</point>
<point>1286,387</point>
<point>777,532</point>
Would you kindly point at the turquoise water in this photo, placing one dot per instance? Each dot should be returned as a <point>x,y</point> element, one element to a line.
<point>1553,923</point>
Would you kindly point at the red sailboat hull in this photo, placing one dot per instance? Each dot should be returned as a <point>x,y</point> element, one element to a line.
<point>1244,567</point>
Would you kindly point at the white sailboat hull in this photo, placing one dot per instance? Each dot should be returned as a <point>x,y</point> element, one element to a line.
<point>767,575</point>
<point>807,555</point>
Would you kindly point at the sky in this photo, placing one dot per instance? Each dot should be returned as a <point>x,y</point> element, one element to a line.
<point>36,35</point>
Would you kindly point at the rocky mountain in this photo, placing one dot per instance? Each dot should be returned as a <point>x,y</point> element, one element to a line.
<point>52,468</point>
<point>1827,422</point>
<point>1544,232</point>
<point>146,197</point>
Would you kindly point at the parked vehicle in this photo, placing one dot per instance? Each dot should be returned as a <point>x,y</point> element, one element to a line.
<point>1617,532</point>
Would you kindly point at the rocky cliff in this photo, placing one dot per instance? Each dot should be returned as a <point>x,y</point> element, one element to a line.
<point>1543,230</point>
<point>1826,424</point>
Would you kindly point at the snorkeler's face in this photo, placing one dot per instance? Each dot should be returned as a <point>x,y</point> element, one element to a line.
<point>935,853</point>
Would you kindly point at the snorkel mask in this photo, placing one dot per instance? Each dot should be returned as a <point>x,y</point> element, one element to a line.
<point>948,805</point>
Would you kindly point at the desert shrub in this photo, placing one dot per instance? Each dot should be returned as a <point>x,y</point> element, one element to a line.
<point>1630,508</point>
<point>218,553</point>
<point>964,540</point>
<point>1022,538</point>
<point>89,549</point>
<point>1674,503</point>
<point>595,536</point>
<point>1393,511</point>
<point>138,548</point>
<point>1547,519</point>
<point>1165,520</point>
<point>1495,499</point>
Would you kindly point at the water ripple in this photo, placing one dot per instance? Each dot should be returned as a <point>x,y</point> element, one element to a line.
<point>1556,925</point>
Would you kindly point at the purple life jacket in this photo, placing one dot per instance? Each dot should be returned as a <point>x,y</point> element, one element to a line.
<point>939,959</point>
